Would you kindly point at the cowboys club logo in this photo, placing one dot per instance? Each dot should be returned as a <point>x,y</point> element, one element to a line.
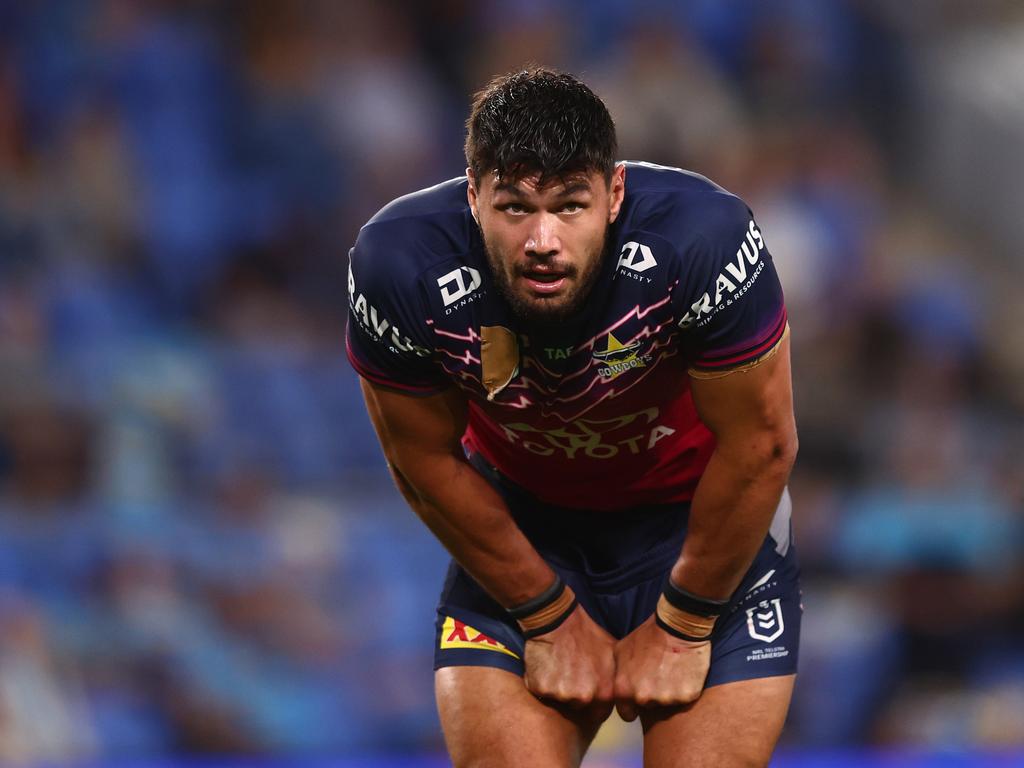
<point>764,620</point>
<point>617,358</point>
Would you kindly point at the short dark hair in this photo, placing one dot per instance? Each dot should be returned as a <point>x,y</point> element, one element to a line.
<point>539,121</point>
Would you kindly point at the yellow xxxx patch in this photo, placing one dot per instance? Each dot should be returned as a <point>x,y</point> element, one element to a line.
<point>456,634</point>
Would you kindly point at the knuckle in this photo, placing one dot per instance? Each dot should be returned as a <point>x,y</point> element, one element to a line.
<point>586,694</point>
<point>622,686</point>
<point>541,688</point>
<point>568,694</point>
<point>670,700</point>
<point>690,695</point>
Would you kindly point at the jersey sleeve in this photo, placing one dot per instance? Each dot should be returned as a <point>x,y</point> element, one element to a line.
<point>729,297</point>
<point>389,340</point>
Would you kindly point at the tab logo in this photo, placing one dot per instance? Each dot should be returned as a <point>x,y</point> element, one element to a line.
<point>456,634</point>
<point>636,257</point>
<point>764,620</point>
<point>454,285</point>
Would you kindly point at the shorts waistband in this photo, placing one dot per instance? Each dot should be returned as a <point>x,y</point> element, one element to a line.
<point>612,549</point>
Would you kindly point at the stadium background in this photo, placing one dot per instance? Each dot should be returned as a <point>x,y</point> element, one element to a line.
<point>200,551</point>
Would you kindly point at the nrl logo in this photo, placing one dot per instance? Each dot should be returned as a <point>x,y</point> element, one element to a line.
<point>617,358</point>
<point>764,620</point>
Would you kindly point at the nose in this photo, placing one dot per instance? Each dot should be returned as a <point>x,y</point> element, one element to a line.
<point>543,242</point>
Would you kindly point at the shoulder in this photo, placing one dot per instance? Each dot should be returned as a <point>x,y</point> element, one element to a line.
<point>681,206</point>
<point>412,237</point>
<point>414,231</point>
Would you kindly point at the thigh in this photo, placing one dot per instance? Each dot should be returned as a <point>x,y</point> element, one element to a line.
<point>735,725</point>
<point>490,719</point>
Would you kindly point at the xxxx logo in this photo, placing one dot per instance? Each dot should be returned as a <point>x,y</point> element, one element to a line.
<point>457,634</point>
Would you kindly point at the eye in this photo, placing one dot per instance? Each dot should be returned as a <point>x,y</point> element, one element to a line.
<point>514,208</point>
<point>572,208</point>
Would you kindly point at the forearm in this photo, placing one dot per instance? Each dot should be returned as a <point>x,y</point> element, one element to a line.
<point>473,523</point>
<point>731,512</point>
<point>421,438</point>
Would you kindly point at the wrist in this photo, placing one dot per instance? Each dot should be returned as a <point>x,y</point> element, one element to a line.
<point>545,612</point>
<point>685,615</point>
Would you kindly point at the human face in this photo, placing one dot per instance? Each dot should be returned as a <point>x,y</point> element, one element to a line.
<point>544,243</point>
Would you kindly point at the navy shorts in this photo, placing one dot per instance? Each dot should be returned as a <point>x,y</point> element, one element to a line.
<point>617,564</point>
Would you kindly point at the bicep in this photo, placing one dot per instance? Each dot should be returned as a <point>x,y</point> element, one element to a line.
<point>750,403</point>
<point>415,430</point>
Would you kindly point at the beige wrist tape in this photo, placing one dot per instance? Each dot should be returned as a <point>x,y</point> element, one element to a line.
<point>549,613</point>
<point>685,623</point>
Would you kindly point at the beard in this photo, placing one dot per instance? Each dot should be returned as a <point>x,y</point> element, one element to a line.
<point>542,313</point>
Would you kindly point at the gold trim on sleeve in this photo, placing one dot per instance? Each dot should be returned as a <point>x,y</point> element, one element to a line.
<point>697,373</point>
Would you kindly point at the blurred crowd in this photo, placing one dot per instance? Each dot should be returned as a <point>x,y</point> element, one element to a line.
<point>200,548</point>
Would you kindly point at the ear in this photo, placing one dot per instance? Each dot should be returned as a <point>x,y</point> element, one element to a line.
<point>471,194</point>
<point>617,191</point>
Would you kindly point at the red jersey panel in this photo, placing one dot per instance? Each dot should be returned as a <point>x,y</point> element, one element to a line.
<point>598,413</point>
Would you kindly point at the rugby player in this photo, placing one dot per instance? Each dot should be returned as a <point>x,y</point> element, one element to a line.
<point>579,373</point>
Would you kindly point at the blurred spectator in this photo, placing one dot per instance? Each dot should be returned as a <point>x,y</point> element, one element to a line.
<point>44,712</point>
<point>201,551</point>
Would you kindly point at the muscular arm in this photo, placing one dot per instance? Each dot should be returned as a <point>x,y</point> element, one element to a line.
<point>421,441</point>
<point>751,415</point>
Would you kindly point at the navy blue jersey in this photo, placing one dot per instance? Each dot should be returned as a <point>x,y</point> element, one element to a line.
<point>598,414</point>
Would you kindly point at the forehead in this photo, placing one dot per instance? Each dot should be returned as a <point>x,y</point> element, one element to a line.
<point>530,185</point>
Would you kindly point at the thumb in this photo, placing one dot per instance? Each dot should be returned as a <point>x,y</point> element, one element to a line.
<point>624,698</point>
<point>626,709</point>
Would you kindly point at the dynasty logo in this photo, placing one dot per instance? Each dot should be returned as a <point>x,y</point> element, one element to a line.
<point>617,358</point>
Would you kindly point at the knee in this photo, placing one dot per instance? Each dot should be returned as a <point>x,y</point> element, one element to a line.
<point>505,753</point>
<point>731,761</point>
<point>499,760</point>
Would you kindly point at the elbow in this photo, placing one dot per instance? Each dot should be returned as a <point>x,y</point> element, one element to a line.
<point>767,453</point>
<point>781,452</point>
<point>424,478</point>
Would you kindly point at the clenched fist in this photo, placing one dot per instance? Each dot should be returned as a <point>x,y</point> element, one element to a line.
<point>653,668</point>
<point>573,664</point>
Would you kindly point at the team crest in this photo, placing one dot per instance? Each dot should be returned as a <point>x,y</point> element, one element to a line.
<point>617,358</point>
<point>764,620</point>
<point>457,634</point>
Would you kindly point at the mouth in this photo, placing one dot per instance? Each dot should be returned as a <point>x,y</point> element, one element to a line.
<point>545,281</point>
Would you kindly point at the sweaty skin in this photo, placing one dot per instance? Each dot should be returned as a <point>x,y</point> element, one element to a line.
<point>750,413</point>
<point>543,245</point>
<point>420,436</point>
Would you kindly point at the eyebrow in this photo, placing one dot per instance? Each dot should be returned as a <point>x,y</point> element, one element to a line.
<point>512,189</point>
<point>570,189</point>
